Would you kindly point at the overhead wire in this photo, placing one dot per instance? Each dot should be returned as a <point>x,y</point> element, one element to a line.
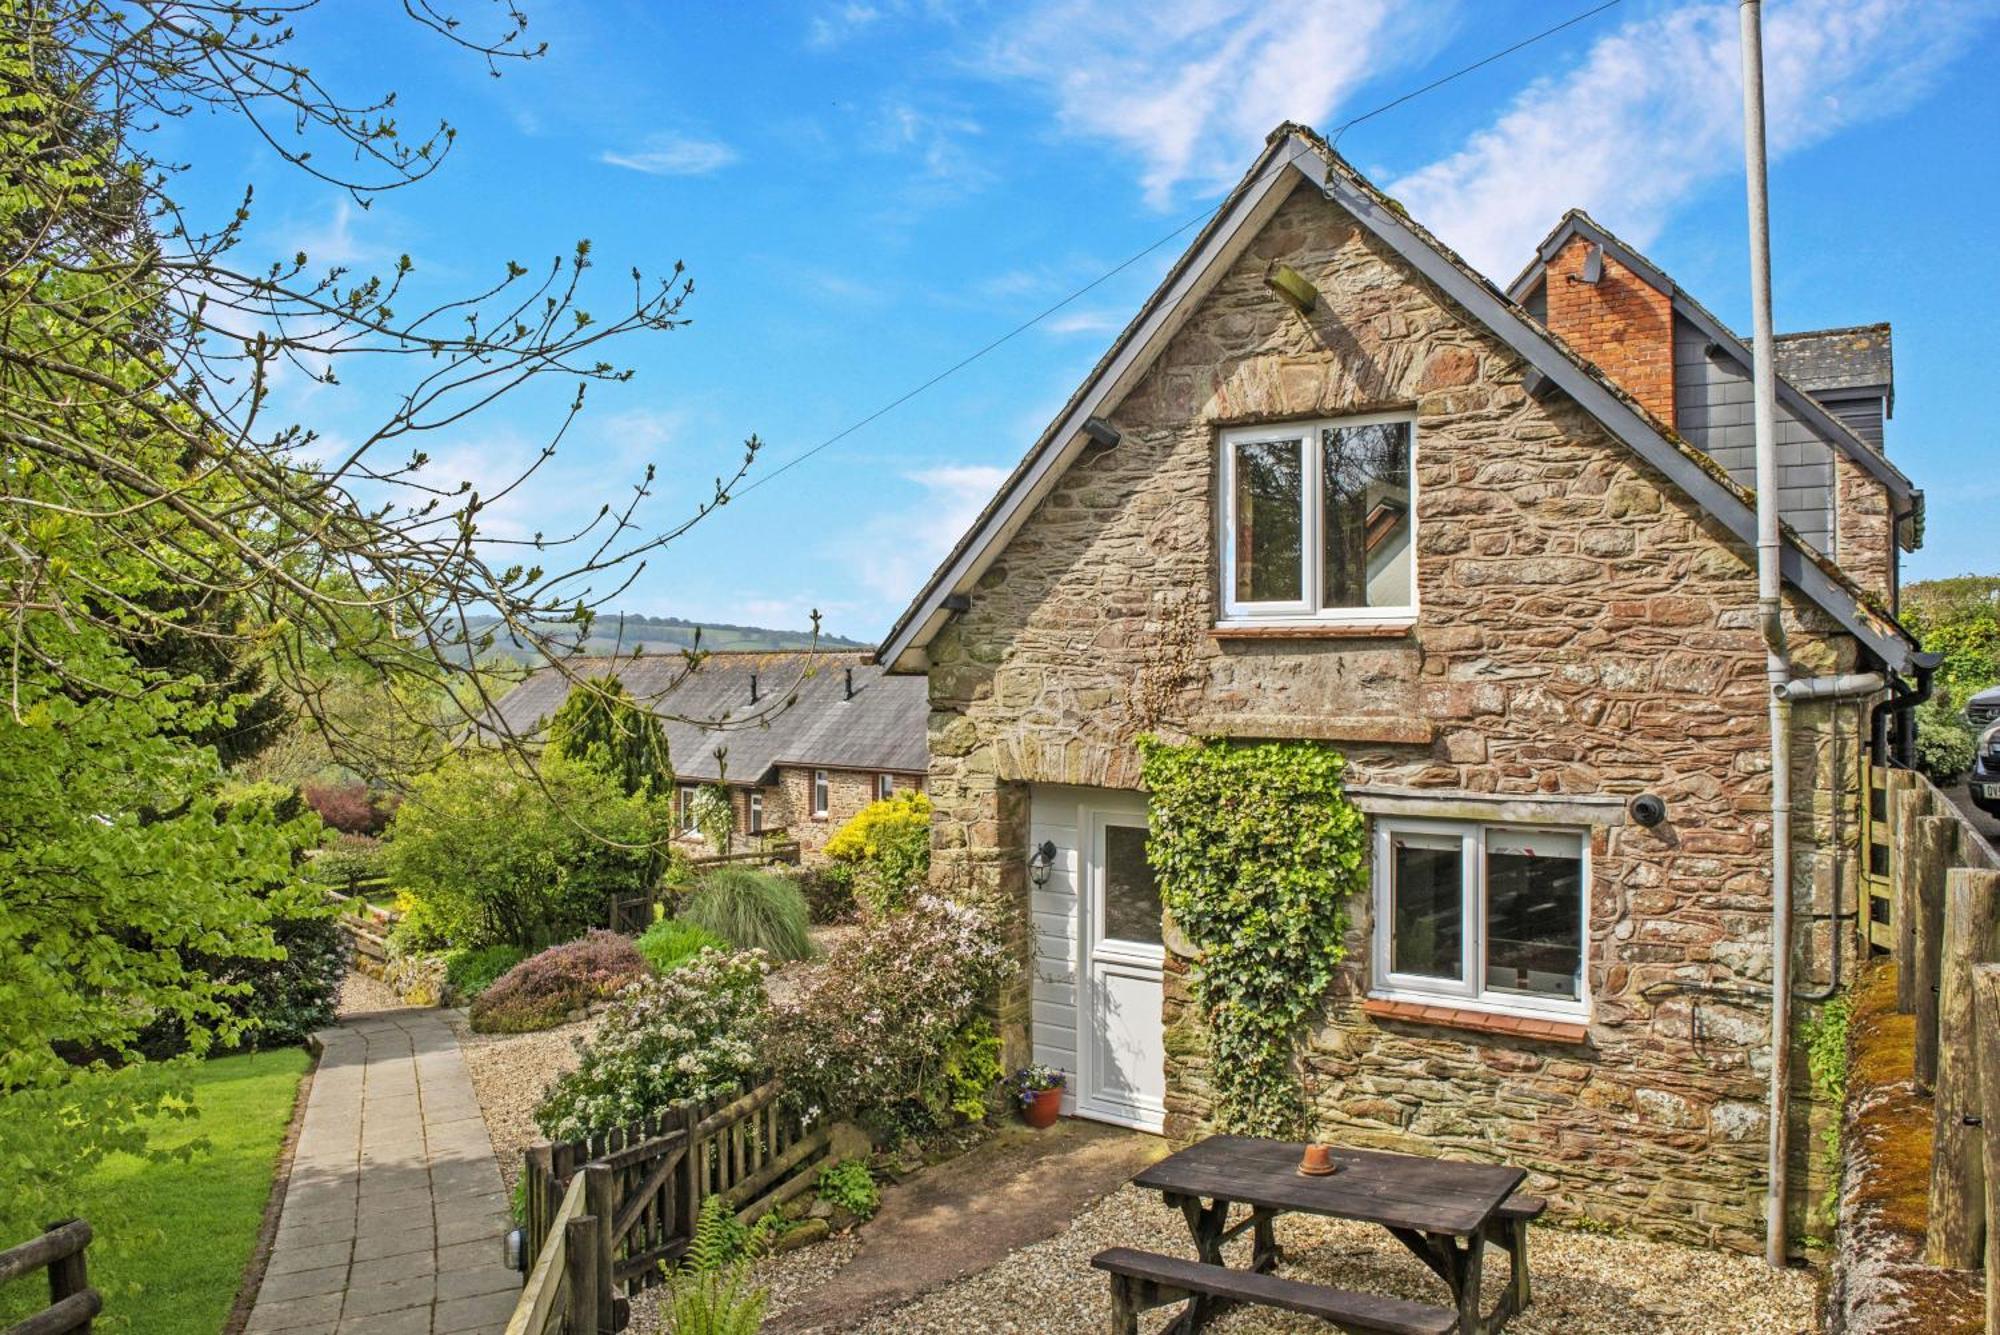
<point>1198,218</point>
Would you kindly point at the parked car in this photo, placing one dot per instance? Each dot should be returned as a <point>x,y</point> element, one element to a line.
<point>1983,783</point>
<point>1983,709</point>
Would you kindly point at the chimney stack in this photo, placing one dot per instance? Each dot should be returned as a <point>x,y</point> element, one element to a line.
<point>1617,319</point>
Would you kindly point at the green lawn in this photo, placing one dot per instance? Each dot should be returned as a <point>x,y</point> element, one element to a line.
<point>172,1238</point>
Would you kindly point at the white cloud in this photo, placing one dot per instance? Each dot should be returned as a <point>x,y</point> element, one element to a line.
<point>674,155</point>
<point>1654,111</point>
<point>1191,87</point>
<point>895,551</point>
<point>841,22</point>
<point>1082,322</point>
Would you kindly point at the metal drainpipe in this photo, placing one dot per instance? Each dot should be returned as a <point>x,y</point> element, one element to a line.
<point>1770,618</point>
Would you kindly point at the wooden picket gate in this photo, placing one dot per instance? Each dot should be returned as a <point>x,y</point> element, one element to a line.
<point>641,1187</point>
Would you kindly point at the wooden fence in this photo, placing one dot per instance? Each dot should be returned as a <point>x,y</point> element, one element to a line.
<point>642,1187</point>
<point>1943,886</point>
<point>73,1304</point>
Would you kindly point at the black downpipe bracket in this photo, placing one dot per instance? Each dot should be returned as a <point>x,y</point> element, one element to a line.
<point>1902,706</point>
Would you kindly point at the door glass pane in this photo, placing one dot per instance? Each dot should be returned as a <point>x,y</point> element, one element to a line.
<point>1131,896</point>
<point>1534,913</point>
<point>1428,930</point>
<point>1368,553</point>
<point>1270,522</point>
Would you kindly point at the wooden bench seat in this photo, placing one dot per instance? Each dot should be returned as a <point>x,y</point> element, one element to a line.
<point>1521,1206</point>
<point>1144,1280</point>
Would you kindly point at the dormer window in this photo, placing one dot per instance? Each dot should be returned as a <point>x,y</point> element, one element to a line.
<point>1318,522</point>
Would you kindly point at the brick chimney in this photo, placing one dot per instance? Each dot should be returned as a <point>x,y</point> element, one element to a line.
<point>1621,322</point>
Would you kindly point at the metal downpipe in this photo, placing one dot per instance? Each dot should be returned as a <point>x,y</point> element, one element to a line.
<point>1770,618</point>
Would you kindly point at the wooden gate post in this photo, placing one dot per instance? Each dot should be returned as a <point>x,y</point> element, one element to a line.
<point>69,1275</point>
<point>1986,1034</point>
<point>1909,801</point>
<point>581,1261</point>
<point>600,1197</point>
<point>1937,849</point>
<point>1955,1238</point>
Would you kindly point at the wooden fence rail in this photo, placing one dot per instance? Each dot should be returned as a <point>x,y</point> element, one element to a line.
<point>642,1187</point>
<point>631,914</point>
<point>73,1304</point>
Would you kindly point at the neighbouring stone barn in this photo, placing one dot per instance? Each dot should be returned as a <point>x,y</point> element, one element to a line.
<point>1410,524</point>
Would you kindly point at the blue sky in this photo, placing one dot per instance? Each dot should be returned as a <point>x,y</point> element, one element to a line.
<point>865,190</point>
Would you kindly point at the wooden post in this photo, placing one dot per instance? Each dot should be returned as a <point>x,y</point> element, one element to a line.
<point>1986,1035</point>
<point>600,1197</point>
<point>1937,849</point>
<point>1956,1237</point>
<point>1909,800</point>
<point>580,1260</point>
<point>69,1275</point>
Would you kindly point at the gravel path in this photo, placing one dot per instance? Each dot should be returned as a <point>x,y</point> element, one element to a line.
<point>1583,1282</point>
<point>362,995</point>
<point>509,1074</point>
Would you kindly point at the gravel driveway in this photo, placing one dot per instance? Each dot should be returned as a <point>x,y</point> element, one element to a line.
<point>1583,1282</point>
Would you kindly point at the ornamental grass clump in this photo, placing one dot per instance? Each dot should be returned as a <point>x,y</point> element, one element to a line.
<point>544,990</point>
<point>892,1029</point>
<point>751,910</point>
<point>686,1036</point>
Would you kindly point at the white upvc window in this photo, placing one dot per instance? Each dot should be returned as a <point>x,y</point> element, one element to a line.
<point>885,786</point>
<point>1317,522</point>
<point>819,794</point>
<point>685,800</point>
<point>1491,917</point>
<point>756,812</point>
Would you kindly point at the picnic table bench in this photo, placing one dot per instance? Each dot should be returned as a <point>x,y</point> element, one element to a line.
<point>1444,1211</point>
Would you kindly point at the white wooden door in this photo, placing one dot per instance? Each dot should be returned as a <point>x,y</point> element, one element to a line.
<point>1122,1039</point>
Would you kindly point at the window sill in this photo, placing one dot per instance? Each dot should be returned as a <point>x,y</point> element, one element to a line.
<point>1489,1022</point>
<point>1313,630</point>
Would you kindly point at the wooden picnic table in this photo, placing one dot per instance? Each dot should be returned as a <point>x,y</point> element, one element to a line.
<point>1444,1211</point>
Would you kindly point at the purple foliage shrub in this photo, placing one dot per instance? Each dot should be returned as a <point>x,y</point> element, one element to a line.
<point>543,990</point>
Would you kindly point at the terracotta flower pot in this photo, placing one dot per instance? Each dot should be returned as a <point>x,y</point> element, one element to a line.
<point>1042,1113</point>
<point>1317,1161</point>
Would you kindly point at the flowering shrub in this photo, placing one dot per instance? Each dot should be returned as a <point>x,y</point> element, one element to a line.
<point>419,979</point>
<point>542,990</point>
<point>888,845</point>
<point>688,1035</point>
<point>1038,1079</point>
<point>887,1029</point>
<point>348,807</point>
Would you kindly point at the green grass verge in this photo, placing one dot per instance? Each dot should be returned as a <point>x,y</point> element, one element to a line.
<point>172,1238</point>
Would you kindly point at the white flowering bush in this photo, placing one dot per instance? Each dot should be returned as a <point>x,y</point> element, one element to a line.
<point>692,1034</point>
<point>888,1029</point>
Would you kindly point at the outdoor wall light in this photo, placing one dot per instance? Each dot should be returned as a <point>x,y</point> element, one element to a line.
<point>1041,862</point>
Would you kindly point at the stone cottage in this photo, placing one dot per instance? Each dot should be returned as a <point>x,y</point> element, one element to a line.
<point>802,740</point>
<point>1498,549</point>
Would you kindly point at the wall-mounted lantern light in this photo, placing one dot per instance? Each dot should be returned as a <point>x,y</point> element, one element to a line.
<point>1041,862</point>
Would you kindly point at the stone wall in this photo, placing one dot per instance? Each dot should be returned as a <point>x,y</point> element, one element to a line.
<point>1864,529</point>
<point>789,802</point>
<point>1583,631</point>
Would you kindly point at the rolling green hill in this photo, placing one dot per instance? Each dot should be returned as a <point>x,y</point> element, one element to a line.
<point>614,633</point>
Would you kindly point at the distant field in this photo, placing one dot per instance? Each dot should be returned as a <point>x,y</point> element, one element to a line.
<point>665,634</point>
<point>172,1238</point>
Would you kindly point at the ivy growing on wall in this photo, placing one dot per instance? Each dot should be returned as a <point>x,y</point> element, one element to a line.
<point>1257,852</point>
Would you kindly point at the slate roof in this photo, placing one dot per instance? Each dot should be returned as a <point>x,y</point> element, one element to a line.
<point>1858,357</point>
<point>803,715</point>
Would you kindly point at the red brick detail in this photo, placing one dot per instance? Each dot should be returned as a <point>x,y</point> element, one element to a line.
<point>1455,1017</point>
<point>1621,322</point>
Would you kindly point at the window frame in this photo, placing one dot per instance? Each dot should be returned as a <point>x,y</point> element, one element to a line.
<point>684,802</point>
<point>822,794</point>
<point>1469,992</point>
<point>885,787</point>
<point>754,812</point>
<point>1306,610</point>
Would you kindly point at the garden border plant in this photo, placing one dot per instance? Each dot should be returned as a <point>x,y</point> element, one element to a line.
<point>1258,853</point>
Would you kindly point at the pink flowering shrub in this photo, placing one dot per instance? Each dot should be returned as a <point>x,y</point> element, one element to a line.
<point>685,1036</point>
<point>885,1029</point>
<point>542,990</point>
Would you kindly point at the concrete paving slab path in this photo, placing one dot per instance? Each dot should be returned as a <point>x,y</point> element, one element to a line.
<point>393,1217</point>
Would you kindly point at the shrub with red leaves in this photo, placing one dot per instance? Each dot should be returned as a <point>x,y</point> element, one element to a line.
<point>347,807</point>
<point>543,990</point>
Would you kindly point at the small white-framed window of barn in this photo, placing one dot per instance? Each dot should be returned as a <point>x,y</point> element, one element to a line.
<point>885,786</point>
<point>1316,521</point>
<point>756,812</point>
<point>820,794</point>
<point>685,800</point>
<point>1489,917</point>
